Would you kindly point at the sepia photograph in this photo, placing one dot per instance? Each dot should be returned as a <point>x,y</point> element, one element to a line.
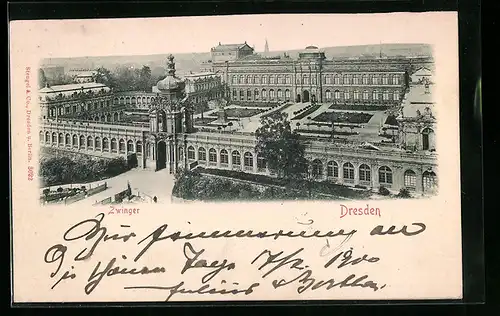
<point>240,121</point>
<point>265,157</point>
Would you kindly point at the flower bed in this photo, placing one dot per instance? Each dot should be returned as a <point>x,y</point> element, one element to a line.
<point>322,132</point>
<point>359,107</point>
<point>306,111</point>
<point>353,117</point>
<point>243,112</point>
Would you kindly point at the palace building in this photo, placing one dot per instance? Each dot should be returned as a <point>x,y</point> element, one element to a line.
<point>89,119</point>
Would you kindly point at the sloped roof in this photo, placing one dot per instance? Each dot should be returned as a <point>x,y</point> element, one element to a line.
<point>229,47</point>
<point>72,87</point>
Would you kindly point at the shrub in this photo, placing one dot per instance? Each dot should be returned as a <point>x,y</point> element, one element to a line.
<point>404,193</point>
<point>83,188</point>
<point>383,191</point>
<point>46,191</point>
<point>59,189</point>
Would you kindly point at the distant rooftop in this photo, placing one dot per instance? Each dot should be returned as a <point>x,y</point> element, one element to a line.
<point>229,47</point>
<point>199,74</point>
<point>74,87</point>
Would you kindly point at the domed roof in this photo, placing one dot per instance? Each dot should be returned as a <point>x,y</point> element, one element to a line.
<point>169,83</point>
<point>311,47</point>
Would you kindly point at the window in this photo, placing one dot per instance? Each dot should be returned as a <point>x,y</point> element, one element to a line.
<point>410,179</point>
<point>224,157</point>
<point>328,80</point>
<point>249,79</point>
<point>385,175</point>
<point>287,94</point>
<point>385,80</point>
<point>191,153</point>
<point>54,138</point>
<point>328,95</point>
<point>279,80</point>
<point>271,94</point>
<point>355,80</point>
<point>356,95</point>
<point>236,158</point>
<point>395,80</point>
<point>212,155</point>
<point>121,146</point>
<point>264,93</point>
<point>317,168</point>
<point>90,142</point>
<point>280,94</point>
<point>332,169</point>
<point>256,79</point>
<point>348,171</point>
<point>264,79</point>
<point>375,80</point>
<point>82,141</point>
<point>305,79</point>
<point>235,95</point>
<point>272,80</point>
<point>242,95</point>
<point>181,152</point>
<point>429,180</point>
<point>233,79</point>
<point>130,146</point>
<point>365,95</point>
<point>261,162</point>
<point>374,95</point>
<point>346,95</point>
<point>47,137</point>
<point>248,159</point>
<point>105,144</point>
<point>364,173</point>
<point>60,139</point>
<point>386,95</point>
<point>113,144</point>
<point>243,79</point>
<point>288,79</point>
<point>138,147</point>
<point>395,95</point>
<point>202,154</point>
<point>249,95</point>
<point>337,94</point>
<point>67,140</point>
<point>347,79</point>
<point>336,80</point>
<point>256,94</point>
<point>365,79</point>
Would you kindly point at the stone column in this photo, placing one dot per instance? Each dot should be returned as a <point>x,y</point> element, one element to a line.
<point>254,161</point>
<point>374,174</point>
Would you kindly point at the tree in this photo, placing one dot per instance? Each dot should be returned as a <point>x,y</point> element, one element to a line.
<point>281,147</point>
<point>104,76</point>
<point>145,82</point>
<point>42,79</point>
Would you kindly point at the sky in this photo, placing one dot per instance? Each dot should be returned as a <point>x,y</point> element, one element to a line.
<point>138,36</point>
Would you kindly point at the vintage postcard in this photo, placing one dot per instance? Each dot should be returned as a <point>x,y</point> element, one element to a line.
<point>236,158</point>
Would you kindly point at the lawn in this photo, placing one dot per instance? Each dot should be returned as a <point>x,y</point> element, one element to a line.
<point>243,112</point>
<point>343,117</point>
<point>359,107</point>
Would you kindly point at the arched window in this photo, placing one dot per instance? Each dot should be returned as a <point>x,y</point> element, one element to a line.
<point>346,95</point>
<point>224,157</point>
<point>249,95</point>
<point>61,138</point>
<point>337,95</point>
<point>355,80</point>
<point>97,143</point>
<point>121,145</point>
<point>365,79</point>
<point>279,80</point>
<point>356,95</point>
<point>82,142</point>
<point>317,168</point>
<point>264,94</point>
<point>130,146</point>
<point>328,79</point>
<point>385,95</point>
<point>395,80</point>
<point>375,95</point>
<point>202,154</point>
<point>212,155</point>
<point>427,141</point>
<point>47,137</point>
<point>348,171</point>
<point>385,80</point>
<point>243,79</point>
<point>242,95</point>
<point>288,79</point>
<point>385,175</point>
<point>54,138</point>
<point>191,154</point>
<point>287,95</point>
<point>256,79</point>
<point>395,96</point>
<point>364,173</point>
<point>248,159</point>
<point>249,79</point>
<point>67,140</point>
<point>180,153</point>
<point>235,95</point>
<point>256,94</point>
<point>328,95</point>
<point>305,79</point>
<point>365,95</point>
<point>105,144</point>
<point>347,80</point>
<point>429,179</point>
<point>90,143</point>
<point>233,79</point>
<point>375,80</point>
<point>113,144</point>
<point>271,94</point>
<point>261,162</point>
<point>236,158</point>
<point>332,169</point>
<point>272,80</point>
<point>264,79</point>
<point>280,94</point>
<point>138,147</point>
<point>410,179</point>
